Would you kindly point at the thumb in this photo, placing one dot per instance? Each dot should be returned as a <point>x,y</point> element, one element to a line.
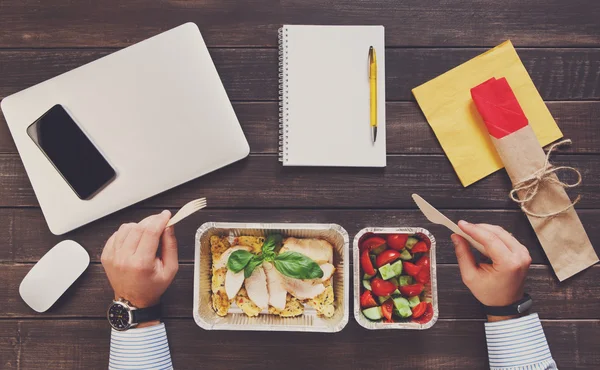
<point>466,260</point>
<point>169,253</point>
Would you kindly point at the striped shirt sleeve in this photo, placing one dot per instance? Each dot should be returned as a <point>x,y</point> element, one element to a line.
<point>518,344</point>
<point>145,348</point>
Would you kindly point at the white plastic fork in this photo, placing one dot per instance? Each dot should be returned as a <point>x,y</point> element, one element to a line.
<point>186,210</point>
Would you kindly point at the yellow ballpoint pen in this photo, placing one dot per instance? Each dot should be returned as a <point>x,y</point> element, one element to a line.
<point>373,89</point>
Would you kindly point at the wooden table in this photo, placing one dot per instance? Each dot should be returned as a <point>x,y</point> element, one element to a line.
<point>559,43</point>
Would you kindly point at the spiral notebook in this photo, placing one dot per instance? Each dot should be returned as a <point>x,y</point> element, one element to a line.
<point>325,99</point>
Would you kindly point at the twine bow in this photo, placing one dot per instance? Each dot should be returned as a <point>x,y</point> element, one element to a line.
<point>531,185</point>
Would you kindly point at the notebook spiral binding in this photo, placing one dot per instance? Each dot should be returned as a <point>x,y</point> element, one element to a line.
<point>283,90</point>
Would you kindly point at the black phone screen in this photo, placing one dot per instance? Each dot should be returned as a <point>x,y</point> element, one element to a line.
<point>71,152</point>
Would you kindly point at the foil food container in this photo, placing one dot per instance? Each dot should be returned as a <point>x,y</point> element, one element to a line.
<point>430,288</point>
<point>205,316</point>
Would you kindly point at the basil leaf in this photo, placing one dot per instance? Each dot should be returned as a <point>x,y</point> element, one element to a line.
<point>269,256</point>
<point>254,263</point>
<point>272,244</point>
<point>238,260</point>
<point>297,266</point>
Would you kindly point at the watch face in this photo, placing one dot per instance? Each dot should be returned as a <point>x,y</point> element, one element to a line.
<point>118,316</point>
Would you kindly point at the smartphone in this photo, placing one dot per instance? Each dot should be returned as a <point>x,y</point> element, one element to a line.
<point>71,152</point>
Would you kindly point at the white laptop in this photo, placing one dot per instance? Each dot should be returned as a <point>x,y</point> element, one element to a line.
<point>157,111</point>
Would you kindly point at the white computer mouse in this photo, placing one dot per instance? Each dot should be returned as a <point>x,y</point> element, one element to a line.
<point>53,275</point>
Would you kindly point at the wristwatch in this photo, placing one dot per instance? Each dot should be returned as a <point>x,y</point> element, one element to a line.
<point>122,315</point>
<point>519,307</point>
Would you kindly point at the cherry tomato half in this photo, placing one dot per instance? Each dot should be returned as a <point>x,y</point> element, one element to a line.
<point>425,239</point>
<point>411,269</point>
<point>382,288</point>
<point>410,290</point>
<point>386,257</point>
<point>397,241</point>
<point>367,300</point>
<point>423,276</point>
<point>424,262</point>
<point>419,310</point>
<point>420,247</point>
<point>371,243</point>
<point>426,317</point>
<point>387,308</point>
<point>366,264</point>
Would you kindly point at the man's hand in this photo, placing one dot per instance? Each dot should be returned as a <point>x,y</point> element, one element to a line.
<point>501,282</point>
<point>131,263</point>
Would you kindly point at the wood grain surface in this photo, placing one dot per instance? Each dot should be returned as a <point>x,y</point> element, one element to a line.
<point>554,23</point>
<point>559,44</point>
<point>267,184</point>
<point>251,74</point>
<point>450,344</point>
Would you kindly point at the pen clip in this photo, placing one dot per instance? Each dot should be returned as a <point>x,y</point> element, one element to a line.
<point>370,59</point>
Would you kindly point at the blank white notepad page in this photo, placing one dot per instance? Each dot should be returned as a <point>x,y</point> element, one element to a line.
<point>326,96</point>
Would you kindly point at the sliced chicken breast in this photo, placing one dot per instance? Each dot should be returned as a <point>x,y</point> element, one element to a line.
<point>256,285</point>
<point>222,261</point>
<point>328,270</point>
<point>233,283</point>
<point>275,286</point>
<point>302,289</point>
<point>318,250</point>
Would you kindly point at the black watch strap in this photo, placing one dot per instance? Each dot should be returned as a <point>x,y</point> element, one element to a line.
<point>519,307</point>
<point>146,314</point>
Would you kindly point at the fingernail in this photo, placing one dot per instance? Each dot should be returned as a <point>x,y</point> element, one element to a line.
<point>463,222</point>
<point>454,239</point>
<point>166,212</point>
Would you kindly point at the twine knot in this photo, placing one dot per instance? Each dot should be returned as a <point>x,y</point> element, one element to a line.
<point>531,185</point>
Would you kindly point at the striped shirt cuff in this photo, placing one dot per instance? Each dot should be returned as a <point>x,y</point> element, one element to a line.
<point>145,348</point>
<point>518,344</point>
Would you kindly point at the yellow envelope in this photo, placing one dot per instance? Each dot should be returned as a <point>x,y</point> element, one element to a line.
<point>447,105</point>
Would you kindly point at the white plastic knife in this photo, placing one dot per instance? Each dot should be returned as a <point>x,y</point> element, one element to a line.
<point>435,216</point>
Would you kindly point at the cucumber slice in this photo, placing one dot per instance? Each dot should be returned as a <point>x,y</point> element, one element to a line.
<point>373,313</point>
<point>402,307</point>
<point>403,312</point>
<point>368,277</point>
<point>367,284</point>
<point>411,241</point>
<point>400,302</point>
<point>413,301</point>
<point>405,255</point>
<point>397,268</point>
<point>383,299</point>
<point>405,280</point>
<point>394,280</point>
<point>387,272</point>
<point>379,249</point>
